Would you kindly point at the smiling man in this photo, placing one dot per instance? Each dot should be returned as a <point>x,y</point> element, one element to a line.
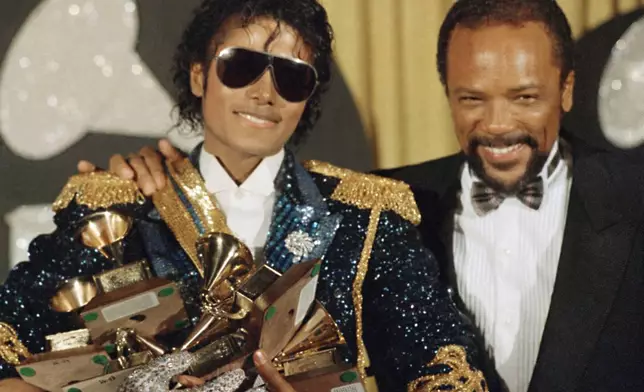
<point>251,74</point>
<point>541,237</point>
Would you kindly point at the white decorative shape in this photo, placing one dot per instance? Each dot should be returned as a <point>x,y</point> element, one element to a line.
<point>307,296</point>
<point>355,387</point>
<point>25,223</point>
<point>621,90</point>
<point>130,306</point>
<point>82,53</point>
<point>300,244</point>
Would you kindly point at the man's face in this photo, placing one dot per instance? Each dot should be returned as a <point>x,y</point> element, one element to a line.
<point>506,99</point>
<point>252,121</point>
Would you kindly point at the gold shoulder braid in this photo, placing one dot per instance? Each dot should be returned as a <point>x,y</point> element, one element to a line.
<point>98,190</point>
<point>176,215</point>
<point>367,190</point>
<point>378,194</point>
<point>11,348</point>
<point>460,378</point>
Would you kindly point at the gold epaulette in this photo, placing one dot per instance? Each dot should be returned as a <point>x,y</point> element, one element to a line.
<point>98,190</point>
<point>12,350</point>
<point>461,376</point>
<point>367,191</point>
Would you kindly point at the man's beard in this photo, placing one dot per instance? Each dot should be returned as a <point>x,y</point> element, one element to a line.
<point>534,166</point>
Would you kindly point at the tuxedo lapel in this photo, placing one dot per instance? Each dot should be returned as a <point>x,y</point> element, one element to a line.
<point>596,246</point>
<point>449,205</point>
<point>438,218</point>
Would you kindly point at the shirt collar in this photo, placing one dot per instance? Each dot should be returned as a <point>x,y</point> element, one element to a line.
<point>261,181</point>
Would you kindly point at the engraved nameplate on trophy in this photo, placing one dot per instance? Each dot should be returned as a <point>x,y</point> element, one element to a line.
<point>255,286</point>
<point>52,371</point>
<point>319,360</point>
<point>68,340</point>
<point>150,307</point>
<point>111,280</point>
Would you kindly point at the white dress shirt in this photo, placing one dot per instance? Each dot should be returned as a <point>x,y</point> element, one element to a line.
<point>248,207</point>
<point>506,262</point>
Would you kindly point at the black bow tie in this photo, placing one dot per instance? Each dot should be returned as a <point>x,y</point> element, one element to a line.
<point>486,199</point>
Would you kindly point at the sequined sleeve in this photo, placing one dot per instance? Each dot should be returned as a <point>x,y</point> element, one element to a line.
<point>412,329</point>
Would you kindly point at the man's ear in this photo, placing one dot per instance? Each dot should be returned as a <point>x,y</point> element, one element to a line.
<point>567,92</point>
<point>197,79</point>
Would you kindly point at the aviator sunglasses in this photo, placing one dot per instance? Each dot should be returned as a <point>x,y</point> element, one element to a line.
<point>295,80</point>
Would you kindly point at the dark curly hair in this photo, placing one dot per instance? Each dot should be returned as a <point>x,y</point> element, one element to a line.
<point>198,45</point>
<point>476,13</point>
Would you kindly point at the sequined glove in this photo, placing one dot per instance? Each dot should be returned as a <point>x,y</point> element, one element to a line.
<point>156,376</point>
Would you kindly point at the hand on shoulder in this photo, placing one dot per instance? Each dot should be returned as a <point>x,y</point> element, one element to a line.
<point>144,167</point>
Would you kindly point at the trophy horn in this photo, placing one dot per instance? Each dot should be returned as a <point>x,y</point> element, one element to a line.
<point>74,294</point>
<point>105,231</point>
<point>225,259</point>
<point>318,332</point>
<point>227,265</point>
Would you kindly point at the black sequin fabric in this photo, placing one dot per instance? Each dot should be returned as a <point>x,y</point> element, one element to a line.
<point>407,313</point>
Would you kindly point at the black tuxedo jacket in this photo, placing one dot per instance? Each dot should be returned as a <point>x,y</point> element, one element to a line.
<point>594,334</point>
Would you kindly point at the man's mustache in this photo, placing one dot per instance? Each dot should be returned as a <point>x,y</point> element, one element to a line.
<point>501,141</point>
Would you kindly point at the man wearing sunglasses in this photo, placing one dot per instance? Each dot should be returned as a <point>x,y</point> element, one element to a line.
<point>250,73</point>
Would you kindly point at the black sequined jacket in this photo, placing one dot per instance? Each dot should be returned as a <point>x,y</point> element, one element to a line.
<point>377,280</point>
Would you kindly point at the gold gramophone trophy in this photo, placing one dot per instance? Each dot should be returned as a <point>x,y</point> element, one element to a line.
<point>124,298</point>
<point>128,295</point>
<point>311,360</point>
<point>227,264</point>
<point>248,307</point>
<point>105,232</point>
<point>305,353</point>
<point>238,298</point>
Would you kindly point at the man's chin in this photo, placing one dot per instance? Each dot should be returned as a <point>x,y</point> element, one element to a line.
<point>503,183</point>
<point>499,181</point>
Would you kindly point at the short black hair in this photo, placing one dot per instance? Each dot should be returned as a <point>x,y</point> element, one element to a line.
<point>476,13</point>
<point>307,17</point>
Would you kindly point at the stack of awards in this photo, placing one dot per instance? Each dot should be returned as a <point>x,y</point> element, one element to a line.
<point>124,312</point>
<point>119,313</point>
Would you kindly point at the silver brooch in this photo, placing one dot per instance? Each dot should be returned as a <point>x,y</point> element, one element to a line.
<point>300,244</point>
